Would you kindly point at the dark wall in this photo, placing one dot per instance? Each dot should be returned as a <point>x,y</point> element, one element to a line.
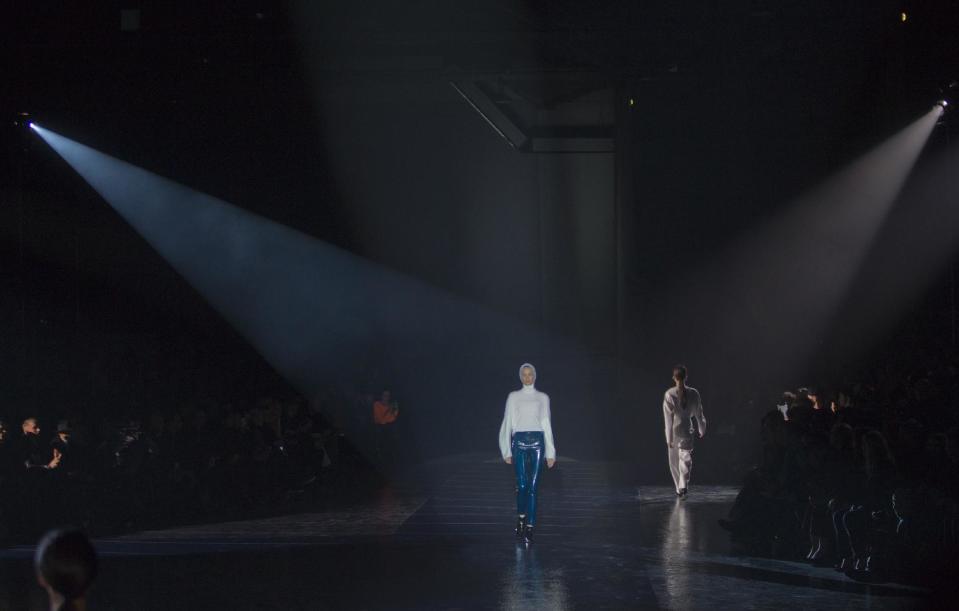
<point>339,121</point>
<point>435,193</point>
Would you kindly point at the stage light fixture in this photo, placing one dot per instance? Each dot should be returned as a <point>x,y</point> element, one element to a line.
<point>947,95</point>
<point>22,119</point>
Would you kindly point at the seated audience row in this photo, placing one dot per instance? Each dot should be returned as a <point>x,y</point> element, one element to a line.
<point>858,483</point>
<point>162,467</point>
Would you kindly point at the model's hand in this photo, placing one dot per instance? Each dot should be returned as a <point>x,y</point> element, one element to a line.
<point>509,460</point>
<point>550,462</point>
<point>700,435</point>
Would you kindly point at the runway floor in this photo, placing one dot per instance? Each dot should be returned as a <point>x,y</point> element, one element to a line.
<point>443,540</point>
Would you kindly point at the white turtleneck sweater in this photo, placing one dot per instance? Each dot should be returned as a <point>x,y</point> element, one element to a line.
<point>526,410</point>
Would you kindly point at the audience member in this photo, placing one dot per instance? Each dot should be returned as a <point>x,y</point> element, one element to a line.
<point>865,479</point>
<point>385,415</point>
<point>227,461</point>
<point>66,565</point>
<point>32,453</point>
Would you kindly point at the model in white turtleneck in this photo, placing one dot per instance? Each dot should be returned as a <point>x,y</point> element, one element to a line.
<point>527,409</point>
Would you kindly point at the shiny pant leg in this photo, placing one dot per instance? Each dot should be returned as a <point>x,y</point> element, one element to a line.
<point>528,449</point>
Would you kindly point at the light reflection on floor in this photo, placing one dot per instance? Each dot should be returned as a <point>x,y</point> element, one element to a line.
<point>529,586</point>
<point>448,544</point>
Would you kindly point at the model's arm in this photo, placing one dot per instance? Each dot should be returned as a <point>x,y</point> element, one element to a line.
<point>700,418</point>
<point>668,418</point>
<point>548,430</point>
<point>506,433</point>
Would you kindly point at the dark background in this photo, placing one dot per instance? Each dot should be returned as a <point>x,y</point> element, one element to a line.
<point>340,121</point>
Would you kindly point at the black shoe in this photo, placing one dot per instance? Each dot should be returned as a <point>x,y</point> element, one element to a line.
<point>520,526</point>
<point>528,534</point>
<point>682,494</point>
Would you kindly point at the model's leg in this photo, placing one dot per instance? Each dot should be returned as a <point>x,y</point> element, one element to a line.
<point>520,457</point>
<point>674,466</point>
<point>535,454</point>
<point>685,467</point>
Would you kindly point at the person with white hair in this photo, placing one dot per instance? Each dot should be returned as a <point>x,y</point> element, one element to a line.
<point>525,439</point>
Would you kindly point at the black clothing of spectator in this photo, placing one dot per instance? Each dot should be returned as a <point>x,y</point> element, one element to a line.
<point>32,453</point>
<point>64,444</point>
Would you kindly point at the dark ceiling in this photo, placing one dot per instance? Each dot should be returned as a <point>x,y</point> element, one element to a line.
<point>206,91</point>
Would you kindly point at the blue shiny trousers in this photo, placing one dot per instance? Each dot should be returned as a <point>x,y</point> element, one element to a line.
<point>528,448</point>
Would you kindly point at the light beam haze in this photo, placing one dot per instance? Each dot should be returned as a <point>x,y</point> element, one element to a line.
<point>762,307</point>
<point>917,244</point>
<point>315,312</point>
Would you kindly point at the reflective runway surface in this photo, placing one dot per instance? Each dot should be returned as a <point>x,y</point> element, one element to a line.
<point>443,541</point>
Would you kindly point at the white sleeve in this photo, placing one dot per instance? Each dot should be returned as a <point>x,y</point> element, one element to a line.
<point>547,429</point>
<point>668,418</point>
<point>700,418</point>
<point>506,431</point>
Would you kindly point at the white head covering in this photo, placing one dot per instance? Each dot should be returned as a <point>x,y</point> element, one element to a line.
<point>524,366</point>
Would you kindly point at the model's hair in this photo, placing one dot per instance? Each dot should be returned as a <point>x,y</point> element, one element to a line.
<point>680,370</point>
<point>66,562</point>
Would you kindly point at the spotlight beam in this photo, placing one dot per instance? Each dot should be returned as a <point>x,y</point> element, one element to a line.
<point>312,310</point>
<point>774,293</point>
<point>917,244</point>
<point>817,249</point>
